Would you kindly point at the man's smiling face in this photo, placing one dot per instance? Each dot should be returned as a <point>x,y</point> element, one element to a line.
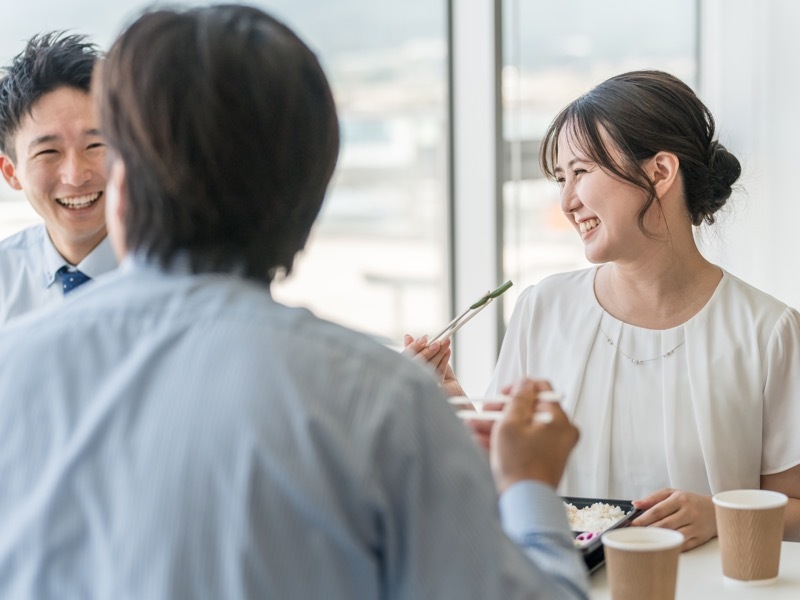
<point>60,166</point>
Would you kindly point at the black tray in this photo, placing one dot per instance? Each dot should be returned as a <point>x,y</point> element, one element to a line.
<point>593,552</point>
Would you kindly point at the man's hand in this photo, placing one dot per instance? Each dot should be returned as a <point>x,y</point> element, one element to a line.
<point>524,448</point>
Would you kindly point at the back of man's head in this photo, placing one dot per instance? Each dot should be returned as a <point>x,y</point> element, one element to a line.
<point>227,129</point>
<point>48,62</point>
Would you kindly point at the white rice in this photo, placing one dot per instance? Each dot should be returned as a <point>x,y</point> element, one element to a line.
<point>595,518</point>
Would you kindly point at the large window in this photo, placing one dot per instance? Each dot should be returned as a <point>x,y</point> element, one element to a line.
<point>377,259</point>
<point>552,54</point>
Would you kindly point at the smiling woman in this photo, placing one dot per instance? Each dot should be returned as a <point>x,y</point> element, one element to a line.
<point>662,355</point>
<point>681,377</point>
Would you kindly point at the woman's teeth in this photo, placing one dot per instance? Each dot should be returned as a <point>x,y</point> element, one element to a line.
<point>588,225</point>
<point>79,201</point>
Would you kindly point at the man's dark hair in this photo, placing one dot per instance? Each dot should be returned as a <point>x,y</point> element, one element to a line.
<point>227,129</point>
<point>49,61</point>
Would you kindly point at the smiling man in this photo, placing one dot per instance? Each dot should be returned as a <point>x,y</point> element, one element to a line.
<point>51,149</point>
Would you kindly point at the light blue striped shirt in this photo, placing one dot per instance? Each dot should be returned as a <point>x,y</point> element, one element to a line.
<point>29,264</point>
<point>167,435</point>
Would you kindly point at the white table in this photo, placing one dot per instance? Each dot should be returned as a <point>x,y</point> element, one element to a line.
<point>700,576</point>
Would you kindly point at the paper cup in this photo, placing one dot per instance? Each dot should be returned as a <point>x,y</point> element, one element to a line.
<point>642,562</point>
<point>750,530</point>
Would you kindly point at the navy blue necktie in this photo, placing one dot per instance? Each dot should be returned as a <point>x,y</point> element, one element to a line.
<point>71,279</point>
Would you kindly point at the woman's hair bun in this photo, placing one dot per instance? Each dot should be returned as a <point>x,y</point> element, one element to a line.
<point>724,170</point>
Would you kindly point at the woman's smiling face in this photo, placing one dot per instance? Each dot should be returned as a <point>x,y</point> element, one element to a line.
<point>603,208</point>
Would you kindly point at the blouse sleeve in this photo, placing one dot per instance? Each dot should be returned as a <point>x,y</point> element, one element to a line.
<point>781,438</point>
<point>511,362</point>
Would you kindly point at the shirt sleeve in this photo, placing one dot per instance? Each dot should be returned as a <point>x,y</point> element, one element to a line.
<point>781,444</point>
<point>534,517</point>
<point>446,538</point>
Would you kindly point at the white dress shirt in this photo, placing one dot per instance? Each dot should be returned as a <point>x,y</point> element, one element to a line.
<point>29,264</point>
<point>169,435</point>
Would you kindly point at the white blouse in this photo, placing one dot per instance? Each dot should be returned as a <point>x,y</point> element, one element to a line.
<point>712,405</point>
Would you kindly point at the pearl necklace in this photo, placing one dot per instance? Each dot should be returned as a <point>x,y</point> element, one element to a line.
<point>638,361</point>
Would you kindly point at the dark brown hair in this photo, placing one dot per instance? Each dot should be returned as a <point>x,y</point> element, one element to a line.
<point>227,128</point>
<point>643,113</point>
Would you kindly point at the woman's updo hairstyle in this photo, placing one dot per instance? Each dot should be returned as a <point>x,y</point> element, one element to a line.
<point>724,170</point>
<point>643,113</point>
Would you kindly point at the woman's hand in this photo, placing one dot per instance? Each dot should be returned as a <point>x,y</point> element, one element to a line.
<point>437,356</point>
<point>690,514</point>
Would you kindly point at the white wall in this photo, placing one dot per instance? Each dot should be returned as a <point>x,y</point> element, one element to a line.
<point>750,78</point>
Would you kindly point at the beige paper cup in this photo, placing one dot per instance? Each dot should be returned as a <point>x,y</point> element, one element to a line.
<point>750,530</point>
<point>642,562</point>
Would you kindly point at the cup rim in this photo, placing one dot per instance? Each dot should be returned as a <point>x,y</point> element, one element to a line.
<point>753,499</point>
<point>657,538</point>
